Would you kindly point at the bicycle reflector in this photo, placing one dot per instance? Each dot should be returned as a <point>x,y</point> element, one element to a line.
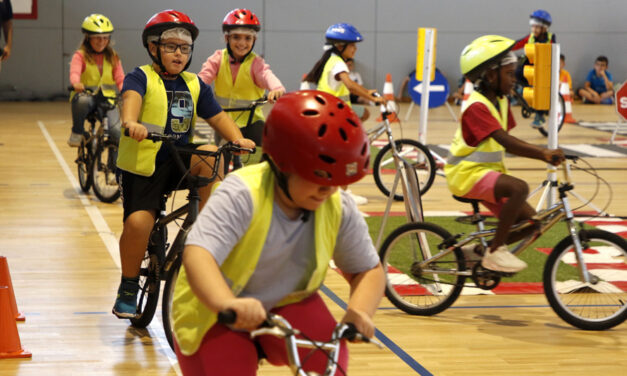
<point>538,74</point>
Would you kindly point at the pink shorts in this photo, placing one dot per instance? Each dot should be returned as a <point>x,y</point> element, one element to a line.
<point>224,352</point>
<point>483,190</point>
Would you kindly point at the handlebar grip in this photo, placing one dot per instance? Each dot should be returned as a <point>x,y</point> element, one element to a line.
<point>351,333</point>
<point>227,317</point>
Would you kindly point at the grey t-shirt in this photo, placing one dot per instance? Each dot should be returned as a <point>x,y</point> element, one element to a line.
<point>287,257</point>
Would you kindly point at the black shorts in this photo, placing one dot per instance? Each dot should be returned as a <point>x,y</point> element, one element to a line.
<point>147,192</point>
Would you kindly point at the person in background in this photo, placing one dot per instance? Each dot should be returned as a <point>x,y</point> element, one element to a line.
<point>357,102</point>
<point>6,26</point>
<point>565,75</point>
<point>240,76</point>
<point>598,88</point>
<point>94,66</point>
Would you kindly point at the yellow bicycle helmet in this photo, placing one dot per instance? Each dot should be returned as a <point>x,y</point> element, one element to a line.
<point>97,24</point>
<point>482,53</point>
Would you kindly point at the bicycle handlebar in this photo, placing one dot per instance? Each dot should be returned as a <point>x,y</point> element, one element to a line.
<point>254,104</point>
<point>229,146</point>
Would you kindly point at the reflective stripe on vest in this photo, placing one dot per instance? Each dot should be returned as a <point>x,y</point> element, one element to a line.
<point>191,318</point>
<point>240,93</point>
<point>92,79</point>
<point>342,91</point>
<point>466,165</point>
<point>139,157</point>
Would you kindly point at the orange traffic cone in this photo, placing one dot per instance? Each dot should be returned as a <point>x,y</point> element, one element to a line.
<point>304,85</point>
<point>10,345</point>
<point>468,89</point>
<point>568,103</point>
<point>5,280</point>
<point>388,95</point>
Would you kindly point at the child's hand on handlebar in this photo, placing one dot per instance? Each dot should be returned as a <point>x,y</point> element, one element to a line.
<point>554,156</point>
<point>378,99</point>
<point>244,143</point>
<point>362,321</point>
<point>249,313</point>
<point>79,87</point>
<point>136,131</point>
<point>274,95</point>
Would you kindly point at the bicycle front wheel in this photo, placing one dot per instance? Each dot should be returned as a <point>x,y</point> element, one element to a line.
<point>149,278</point>
<point>418,155</point>
<point>103,172</point>
<point>83,161</point>
<point>600,303</point>
<point>561,113</point>
<point>166,301</point>
<point>414,287</point>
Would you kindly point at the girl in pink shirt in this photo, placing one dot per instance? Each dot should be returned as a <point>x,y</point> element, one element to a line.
<point>94,66</point>
<point>239,75</point>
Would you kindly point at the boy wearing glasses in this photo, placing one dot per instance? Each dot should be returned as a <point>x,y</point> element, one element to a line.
<point>162,98</point>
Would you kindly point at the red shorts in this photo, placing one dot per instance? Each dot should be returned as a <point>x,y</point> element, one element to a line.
<point>230,353</point>
<point>483,190</point>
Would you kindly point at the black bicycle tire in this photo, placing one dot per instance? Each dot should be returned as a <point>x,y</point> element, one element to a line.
<point>550,288</point>
<point>83,159</point>
<point>150,280</point>
<point>377,163</point>
<point>166,300</point>
<point>96,188</point>
<point>545,131</point>
<point>391,294</point>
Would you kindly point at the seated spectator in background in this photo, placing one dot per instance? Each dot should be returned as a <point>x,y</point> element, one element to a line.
<point>403,94</point>
<point>598,87</point>
<point>357,102</point>
<point>458,96</point>
<point>565,75</point>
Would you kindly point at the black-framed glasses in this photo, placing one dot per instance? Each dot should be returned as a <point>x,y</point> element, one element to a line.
<point>171,47</point>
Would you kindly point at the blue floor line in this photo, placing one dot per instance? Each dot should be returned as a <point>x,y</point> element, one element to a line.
<point>383,338</point>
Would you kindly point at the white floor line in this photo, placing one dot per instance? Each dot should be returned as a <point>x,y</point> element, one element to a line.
<point>108,237</point>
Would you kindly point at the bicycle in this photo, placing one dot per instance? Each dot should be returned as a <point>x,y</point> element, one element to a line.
<point>97,153</point>
<point>253,134</point>
<point>162,259</point>
<point>526,110</point>
<point>426,268</point>
<point>415,154</point>
<point>278,326</point>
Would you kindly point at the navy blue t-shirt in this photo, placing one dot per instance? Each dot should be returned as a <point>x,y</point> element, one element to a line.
<point>180,105</point>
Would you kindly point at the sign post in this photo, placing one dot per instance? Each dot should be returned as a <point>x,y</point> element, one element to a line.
<point>425,72</point>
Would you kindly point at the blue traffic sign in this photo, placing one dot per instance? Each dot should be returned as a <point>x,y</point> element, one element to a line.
<point>438,89</point>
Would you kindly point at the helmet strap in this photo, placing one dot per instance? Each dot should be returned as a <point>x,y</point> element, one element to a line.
<point>281,180</point>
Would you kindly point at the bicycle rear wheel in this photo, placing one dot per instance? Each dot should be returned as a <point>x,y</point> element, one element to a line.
<point>103,172</point>
<point>414,152</point>
<point>83,161</point>
<point>166,301</point>
<point>149,278</point>
<point>561,113</point>
<point>409,286</point>
<point>600,303</point>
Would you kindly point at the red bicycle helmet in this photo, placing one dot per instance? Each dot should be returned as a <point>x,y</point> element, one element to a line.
<point>165,20</point>
<point>240,18</point>
<point>317,136</point>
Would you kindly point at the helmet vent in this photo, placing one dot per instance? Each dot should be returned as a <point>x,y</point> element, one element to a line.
<point>364,148</point>
<point>343,134</point>
<point>320,100</point>
<point>323,174</point>
<point>340,105</point>
<point>351,122</point>
<point>310,113</point>
<point>326,159</point>
<point>322,130</point>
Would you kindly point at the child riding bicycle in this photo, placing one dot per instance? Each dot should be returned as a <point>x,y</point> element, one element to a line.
<point>264,241</point>
<point>240,75</point>
<point>331,73</point>
<point>475,166</point>
<point>160,97</point>
<point>94,66</point>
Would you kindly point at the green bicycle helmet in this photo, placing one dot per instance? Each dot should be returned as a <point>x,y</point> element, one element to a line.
<point>482,53</point>
<point>97,24</point>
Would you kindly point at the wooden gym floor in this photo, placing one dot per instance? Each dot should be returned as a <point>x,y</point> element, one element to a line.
<point>61,247</point>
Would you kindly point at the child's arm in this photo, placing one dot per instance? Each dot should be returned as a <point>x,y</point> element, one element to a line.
<point>132,104</point>
<point>514,145</point>
<point>77,66</point>
<point>366,292</point>
<point>206,281</point>
<point>265,78</point>
<point>357,89</point>
<point>210,68</point>
<point>229,130</point>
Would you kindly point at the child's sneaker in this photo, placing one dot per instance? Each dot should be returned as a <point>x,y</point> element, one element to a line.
<point>472,254</point>
<point>125,306</point>
<point>75,140</point>
<point>502,260</point>
<point>537,121</point>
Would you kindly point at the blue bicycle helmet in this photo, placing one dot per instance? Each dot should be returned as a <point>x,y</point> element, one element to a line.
<point>540,17</point>
<point>343,32</point>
